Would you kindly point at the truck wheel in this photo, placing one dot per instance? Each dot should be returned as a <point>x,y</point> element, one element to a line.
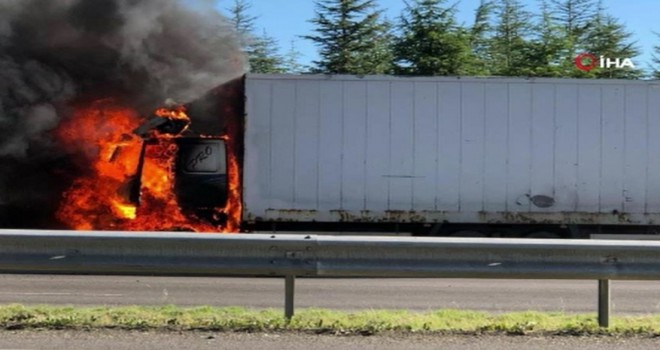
<point>542,234</point>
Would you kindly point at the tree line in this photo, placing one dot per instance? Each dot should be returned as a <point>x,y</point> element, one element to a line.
<point>505,38</point>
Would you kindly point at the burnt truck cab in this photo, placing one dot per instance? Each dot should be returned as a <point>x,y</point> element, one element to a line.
<point>201,173</point>
<point>199,167</point>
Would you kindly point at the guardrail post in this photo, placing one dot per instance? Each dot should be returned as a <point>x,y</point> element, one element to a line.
<point>604,303</point>
<point>289,291</point>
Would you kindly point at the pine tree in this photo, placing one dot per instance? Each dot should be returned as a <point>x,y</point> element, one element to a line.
<point>264,57</point>
<point>509,45</point>
<point>574,18</point>
<point>242,22</point>
<point>655,74</point>
<point>609,38</point>
<point>349,34</point>
<point>292,60</point>
<point>431,42</point>
<point>479,39</point>
<point>546,56</point>
<point>380,59</point>
<point>262,51</point>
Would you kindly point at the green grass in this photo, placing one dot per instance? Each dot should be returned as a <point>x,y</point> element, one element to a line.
<point>318,321</point>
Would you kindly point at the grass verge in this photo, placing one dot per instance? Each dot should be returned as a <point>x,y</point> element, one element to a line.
<point>318,321</point>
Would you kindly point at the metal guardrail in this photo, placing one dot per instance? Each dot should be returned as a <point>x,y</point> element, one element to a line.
<point>289,256</point>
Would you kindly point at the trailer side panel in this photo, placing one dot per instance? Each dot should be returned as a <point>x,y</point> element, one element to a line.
<point>469,150</point>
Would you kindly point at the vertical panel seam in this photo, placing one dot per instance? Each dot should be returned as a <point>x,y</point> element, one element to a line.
<point>389,146</point>
<point>648,154</point>
<point>460,144</point>
<point>531,145</point>
<point>483,149</point>
<point>554,141</point>
<point>577,148</point>
<point>270,145</point>
<point>437,143</point>
<point>342,146</point>
<point>624,169</point>
<point>600,153</point>
<point>508,146</point>
<point>365,149</point>
<point>295,141</point>
<point>318,145</point>
<point>414,146</point>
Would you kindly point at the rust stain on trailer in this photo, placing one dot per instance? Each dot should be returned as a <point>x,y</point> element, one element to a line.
<point>285,215</point>
<point>530,218</point>
<point>389,216</point>
<point>555,218</point>
<point>622,217</point>
<point>405,216</point>
<point>346,216</point>
<point>436,216</point>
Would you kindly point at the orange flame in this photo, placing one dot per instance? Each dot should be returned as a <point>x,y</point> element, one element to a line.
<point>99,200</point>
<point>233,207</point>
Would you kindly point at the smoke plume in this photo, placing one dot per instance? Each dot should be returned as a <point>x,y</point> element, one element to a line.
<point>53,52</point>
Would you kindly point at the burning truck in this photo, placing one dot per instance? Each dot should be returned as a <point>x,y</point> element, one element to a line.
<point>440,156</point>
<point>152,172</point>
<point>78,81</point>
<point>87,143</point>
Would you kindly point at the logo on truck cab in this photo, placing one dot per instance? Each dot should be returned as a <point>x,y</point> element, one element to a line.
<point>588,61</point>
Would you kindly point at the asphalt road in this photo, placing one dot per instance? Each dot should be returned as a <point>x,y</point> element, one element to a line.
<point>112,339</point>
<point>628,297</point>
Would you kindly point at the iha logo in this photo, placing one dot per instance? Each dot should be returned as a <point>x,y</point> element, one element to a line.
<point>587,61</point>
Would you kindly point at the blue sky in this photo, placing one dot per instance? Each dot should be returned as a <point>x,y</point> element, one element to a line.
<point>287,20</point>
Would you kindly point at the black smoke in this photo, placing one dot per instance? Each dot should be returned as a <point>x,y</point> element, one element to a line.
<point>55,52</point>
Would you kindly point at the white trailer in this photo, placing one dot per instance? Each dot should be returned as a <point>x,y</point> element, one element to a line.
<point>471,151</point>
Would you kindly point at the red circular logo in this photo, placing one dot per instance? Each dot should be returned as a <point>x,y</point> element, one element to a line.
<point>579,62</point>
